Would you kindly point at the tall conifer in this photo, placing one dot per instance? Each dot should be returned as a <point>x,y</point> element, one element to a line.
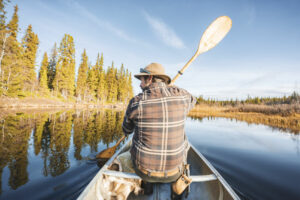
<point>64,81</point>
<point>52,67</point>
<point>43,86</point>
<point>11,71</point>
<point>81,86</point>
<point>30,44</point>
<point>102,86</point>
<point>92,81</point>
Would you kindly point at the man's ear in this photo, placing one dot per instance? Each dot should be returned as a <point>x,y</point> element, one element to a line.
<point>150,78</point>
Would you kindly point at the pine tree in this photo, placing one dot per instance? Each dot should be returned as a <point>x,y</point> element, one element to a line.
<point>13,25</point>
<point>64,81</point>
<point>129,86</point>
<point>2,14</point>
<point>102,85</point>
<point>52,67</point>
<point>43,86</point>
<point>11,71</point>
<point>92,82</point>
<point>81,86</point>
<point>3,40</point>
<point>111,81</point>
<point>121,84</point>
<point>30,44</point>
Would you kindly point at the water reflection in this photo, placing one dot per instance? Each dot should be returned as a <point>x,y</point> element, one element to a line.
<point>57,139</point>
<point>282,126</point>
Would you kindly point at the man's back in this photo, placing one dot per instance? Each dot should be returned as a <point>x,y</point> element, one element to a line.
<point>157,117</point>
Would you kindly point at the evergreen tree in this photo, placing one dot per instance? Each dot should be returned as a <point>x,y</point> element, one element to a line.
<point>121,81</point>
<point>13,25</point>
<point>101,85</point>
<point>51,67</point>
<point>81,86</point>
<point>3,40</point>
<point>43,86</point>
<point>30,44</point>
<point>130,89</point>
<point>92,82</point>
<point>64,81</point>
<point>2,15</point>
<point>111,82</point>
<point>11,71</point>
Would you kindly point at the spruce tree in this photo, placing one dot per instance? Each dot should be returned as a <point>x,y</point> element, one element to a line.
<point>81,86</point>
<point>13,25</point>
<point>111,81</point>
<point>3,41</point>
<point>30,44</point>
<point>92,82</point>
<point>64,81</point>
<point>102,86</point>
<point>43,86</point>
<point>52,67</point>
<point>121,84</point>
<point>11,70</point>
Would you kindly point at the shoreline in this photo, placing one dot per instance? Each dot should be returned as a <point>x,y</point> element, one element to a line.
<point>291,122</point>
<point>46,103</point>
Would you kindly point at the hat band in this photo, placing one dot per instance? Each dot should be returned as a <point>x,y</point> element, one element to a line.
<point>144,71</point>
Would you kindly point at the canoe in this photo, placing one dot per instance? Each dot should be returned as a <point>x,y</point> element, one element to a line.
<point>207,182</point>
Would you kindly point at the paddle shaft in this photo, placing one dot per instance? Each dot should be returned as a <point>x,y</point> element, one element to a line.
<point>184,68</point>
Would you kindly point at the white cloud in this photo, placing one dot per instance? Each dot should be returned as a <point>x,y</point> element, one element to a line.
<point>100,22</point>
<point>165,33</point>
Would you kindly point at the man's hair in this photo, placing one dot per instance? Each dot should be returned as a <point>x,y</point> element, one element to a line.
<point>155,79</point>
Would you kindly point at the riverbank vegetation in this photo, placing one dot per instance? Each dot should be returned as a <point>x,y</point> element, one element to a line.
<point>279,112</point>
<point>56,77</point>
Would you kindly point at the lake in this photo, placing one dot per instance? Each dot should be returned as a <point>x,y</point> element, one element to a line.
<point>47,155</point>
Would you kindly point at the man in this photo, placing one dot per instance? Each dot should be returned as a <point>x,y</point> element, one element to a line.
<point>157,116</point>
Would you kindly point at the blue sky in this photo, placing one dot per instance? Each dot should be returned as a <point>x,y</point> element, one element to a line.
<point>259,56</point>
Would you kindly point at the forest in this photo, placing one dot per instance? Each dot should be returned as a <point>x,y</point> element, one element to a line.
<point>56,77</point>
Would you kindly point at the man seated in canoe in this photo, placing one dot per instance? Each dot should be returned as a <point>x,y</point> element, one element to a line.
<point>157,116</point>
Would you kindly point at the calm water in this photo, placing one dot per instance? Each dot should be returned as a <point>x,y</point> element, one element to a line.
<point>46,156</point>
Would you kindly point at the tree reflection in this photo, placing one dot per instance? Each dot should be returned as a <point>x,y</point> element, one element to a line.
<point>51,135</point>
<point>16,131</point>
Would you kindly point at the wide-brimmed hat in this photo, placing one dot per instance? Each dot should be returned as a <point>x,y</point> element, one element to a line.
<point>154,69</point>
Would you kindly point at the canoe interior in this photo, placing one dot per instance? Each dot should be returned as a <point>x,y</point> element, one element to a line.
<point>216,188</point>
<point>199,190</point>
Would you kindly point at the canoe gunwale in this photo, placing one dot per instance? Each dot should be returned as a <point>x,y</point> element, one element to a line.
<point>219,177</point>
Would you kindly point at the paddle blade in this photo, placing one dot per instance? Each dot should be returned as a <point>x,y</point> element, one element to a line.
<point>215,32</point>
<point>107,153</point>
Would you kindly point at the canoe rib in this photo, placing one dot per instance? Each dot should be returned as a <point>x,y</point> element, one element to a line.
<point>199,178</point>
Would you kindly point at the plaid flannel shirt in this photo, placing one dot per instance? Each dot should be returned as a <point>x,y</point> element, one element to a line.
<point>157,117</point>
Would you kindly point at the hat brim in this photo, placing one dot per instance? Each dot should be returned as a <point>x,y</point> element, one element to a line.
<point>166,78</point>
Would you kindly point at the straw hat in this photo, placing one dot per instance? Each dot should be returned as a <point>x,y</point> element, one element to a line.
<point>154,69</point>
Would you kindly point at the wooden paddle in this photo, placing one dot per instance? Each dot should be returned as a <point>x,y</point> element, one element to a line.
<point>214,33</point>
<point>108,153</point>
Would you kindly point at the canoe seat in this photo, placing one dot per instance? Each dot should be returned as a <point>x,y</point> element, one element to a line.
<point>195,178</point>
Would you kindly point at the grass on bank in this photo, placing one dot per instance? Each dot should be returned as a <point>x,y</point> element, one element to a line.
<point>284,116</point>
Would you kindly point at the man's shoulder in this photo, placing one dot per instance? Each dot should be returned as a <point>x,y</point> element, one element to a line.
<point>175,90</point>
<point>136,98</point>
